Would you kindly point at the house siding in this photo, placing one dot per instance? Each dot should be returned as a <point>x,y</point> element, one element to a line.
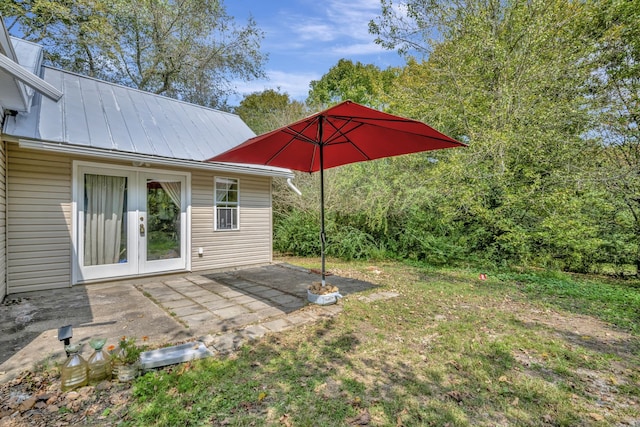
<point>3,220</point>
<point>251,244</point>
<point>38,220</point>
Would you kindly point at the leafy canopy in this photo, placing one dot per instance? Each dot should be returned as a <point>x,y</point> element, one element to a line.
<point>188,49</point>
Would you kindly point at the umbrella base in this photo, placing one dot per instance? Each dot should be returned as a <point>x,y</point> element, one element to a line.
<point>323,295</point>
<point>326,299</point>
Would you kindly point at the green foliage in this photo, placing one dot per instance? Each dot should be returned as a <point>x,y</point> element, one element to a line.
<point>364,84</point>
<point>347,242</point>
<point>422,236</point>
<point>268,110</point>
<point>128,352</point>
<point>297,233</point>
<point>615,102</point>
<point>190,50</point>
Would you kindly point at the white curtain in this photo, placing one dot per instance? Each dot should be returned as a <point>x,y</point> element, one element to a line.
<point>172,188</point>
<point>104,204</point>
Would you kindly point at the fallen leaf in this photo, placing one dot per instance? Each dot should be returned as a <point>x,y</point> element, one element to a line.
<point>596,416</point>
<point>455,395</point>
<point>515,402</point>
<point>503,379</point>
<point>285,421</point>
<point>261,396</point>
<point>363,419</point>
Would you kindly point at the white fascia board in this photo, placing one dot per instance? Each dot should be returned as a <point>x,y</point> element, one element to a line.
<point>29,79</point>
<point>161,161</point>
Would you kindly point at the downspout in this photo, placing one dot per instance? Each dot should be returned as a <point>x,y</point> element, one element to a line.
<point>293,187</point>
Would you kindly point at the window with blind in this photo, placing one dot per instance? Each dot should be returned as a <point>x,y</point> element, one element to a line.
<point>226,197</point>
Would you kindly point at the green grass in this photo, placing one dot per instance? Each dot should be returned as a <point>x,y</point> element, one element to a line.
<point>614,301</point>
<point>451,350</point>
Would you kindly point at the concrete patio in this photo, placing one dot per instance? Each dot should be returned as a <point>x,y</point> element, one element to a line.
<point>223,309</point>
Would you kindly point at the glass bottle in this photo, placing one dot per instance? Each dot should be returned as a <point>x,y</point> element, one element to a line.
<point>75,369</point>
<point>99,362</point>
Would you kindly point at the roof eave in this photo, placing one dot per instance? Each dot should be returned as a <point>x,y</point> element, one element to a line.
<point>59,147</point>
<point>29,79</point>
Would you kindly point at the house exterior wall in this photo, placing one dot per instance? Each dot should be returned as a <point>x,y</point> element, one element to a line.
<point>3,221</point>
<point>251,244</point>
<point>39,221</point>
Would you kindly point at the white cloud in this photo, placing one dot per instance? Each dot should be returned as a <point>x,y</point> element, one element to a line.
<point>329,25</point>
<point>315,31</point>
<point>294,84</point>
<point>358,49</point>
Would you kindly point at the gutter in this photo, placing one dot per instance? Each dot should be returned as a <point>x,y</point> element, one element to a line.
<point>293,187</point>
<point>151,160</point>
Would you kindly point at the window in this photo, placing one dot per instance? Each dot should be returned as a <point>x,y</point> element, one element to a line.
<point>226,204</point>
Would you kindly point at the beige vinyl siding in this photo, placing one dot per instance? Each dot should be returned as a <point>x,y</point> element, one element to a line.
<point>39,220</point>
<point>3,221</point>
<point>249,245</point>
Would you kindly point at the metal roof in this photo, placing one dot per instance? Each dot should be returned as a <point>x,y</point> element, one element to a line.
<point>101,115</point>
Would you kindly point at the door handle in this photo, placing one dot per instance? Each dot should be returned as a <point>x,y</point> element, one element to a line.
<point>142,229</point>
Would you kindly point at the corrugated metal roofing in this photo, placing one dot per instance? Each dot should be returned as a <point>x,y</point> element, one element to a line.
<point>101,115</point>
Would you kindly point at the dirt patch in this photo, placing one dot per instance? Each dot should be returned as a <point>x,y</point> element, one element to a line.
<point>36,400</point>
<point>578,329</point>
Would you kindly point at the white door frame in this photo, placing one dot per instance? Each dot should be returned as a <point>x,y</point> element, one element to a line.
<point>136,192</point>
<point>144,265</point>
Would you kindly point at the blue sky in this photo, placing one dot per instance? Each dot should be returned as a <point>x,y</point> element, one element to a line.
<point>305,38</point>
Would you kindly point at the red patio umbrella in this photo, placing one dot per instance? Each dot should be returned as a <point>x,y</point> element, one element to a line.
<point>345,133</point>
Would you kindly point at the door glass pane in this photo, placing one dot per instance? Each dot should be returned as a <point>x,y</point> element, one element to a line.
<point>105,219</point>
<point>163,219</point>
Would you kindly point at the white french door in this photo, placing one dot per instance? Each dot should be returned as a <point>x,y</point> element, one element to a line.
<point>129,222</point>
<point>161,226</point>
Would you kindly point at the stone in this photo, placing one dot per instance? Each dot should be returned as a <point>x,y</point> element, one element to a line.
<point>52,408</point>
<point>104,385</point>
<point>72,395</point>
<point>85,392</point>
<point>7,413</point>
<point>75,405</point>
<point>27,404</point>
<point>44,397</point>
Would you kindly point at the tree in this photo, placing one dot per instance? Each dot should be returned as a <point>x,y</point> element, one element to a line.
<point>185,49</point>
<point>509,79</point>
<point>364,84</point>
<point>615,88</point>
<point>268,110</point>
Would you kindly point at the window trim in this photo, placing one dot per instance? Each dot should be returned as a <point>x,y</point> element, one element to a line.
<point>226,205</point>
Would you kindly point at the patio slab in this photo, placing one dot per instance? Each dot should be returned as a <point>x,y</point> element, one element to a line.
<point>231,307</point>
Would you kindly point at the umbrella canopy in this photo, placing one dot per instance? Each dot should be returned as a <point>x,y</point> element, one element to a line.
<point>343,134</point>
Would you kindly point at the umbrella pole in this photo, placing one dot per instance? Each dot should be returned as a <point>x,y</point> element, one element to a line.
<point>322,234</point>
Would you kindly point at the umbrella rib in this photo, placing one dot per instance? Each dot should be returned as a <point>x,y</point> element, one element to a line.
<point>295,135</point>
<point>339,133</point>
<point>365,120</point>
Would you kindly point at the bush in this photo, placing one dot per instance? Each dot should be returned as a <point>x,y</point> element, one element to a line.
<point>347,242</point>
<point>297,233</point>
